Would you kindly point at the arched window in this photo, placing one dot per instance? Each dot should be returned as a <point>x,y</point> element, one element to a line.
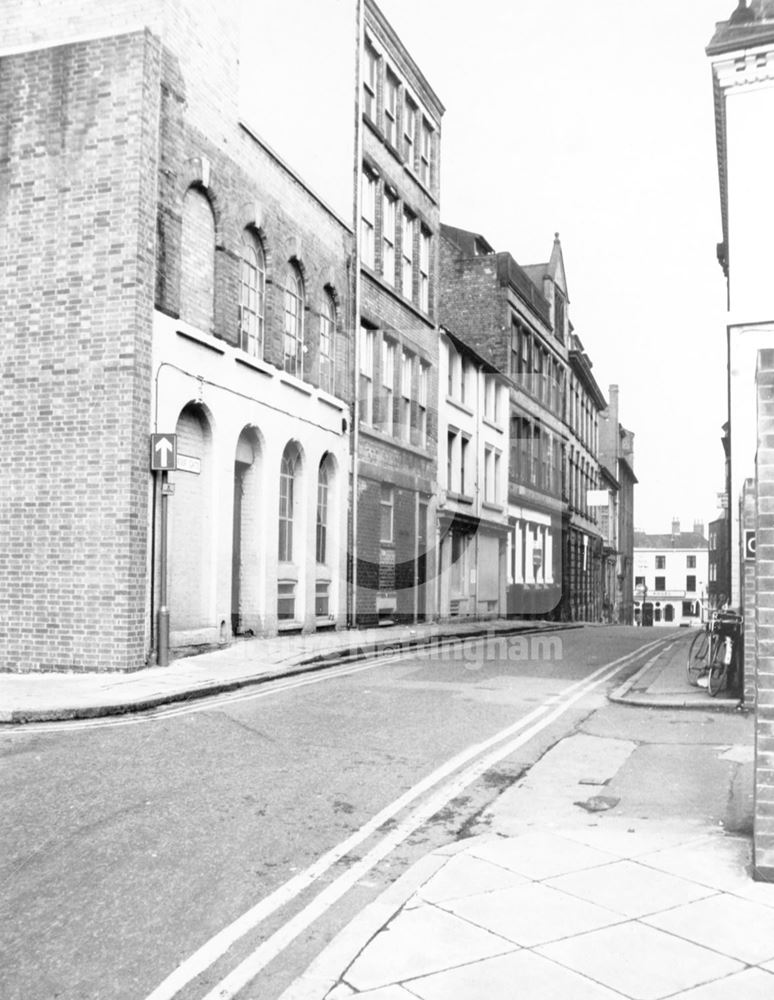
<point>288,472</point>
<point>197,261</point>
<point>321,546</point>
<point>293,343</point>
<point>252,295</point>
<point>327,342</point>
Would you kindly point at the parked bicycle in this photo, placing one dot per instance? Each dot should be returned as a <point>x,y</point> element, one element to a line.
<point>713,650</point>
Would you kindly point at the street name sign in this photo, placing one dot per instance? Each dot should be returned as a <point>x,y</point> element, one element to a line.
<point>163,452</point>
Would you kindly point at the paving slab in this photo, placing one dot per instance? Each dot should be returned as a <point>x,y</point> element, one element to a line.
<point>736,927</point>
<point>639,961</point>
<point>418,942</point>
<point>522,974</point>
<point>630,889</point>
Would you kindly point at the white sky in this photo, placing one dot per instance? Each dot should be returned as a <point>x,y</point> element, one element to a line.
<point>594,118</point>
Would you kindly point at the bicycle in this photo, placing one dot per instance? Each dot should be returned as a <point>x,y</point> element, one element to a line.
<point>729,629</point>
<point>700,654</point>
<point>712,650</point>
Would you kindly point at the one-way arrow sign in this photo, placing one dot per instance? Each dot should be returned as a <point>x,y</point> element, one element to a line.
<point>163,452</point>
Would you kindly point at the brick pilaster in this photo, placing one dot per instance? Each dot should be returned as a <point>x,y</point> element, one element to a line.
<point>763,831</point>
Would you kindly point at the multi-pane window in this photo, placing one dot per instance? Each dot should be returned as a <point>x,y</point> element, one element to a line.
<point>514,367</point>
<point>660,583</point>
<point>387,517</point>
<point>422,395</point>
<point>425,147</point>
<point>660,562</point>
<point>453,361</point>
<point>409,131</point>
<point>252,294</point>
<point>690,562</point>
<point>293,341</point>
<point>288,471</point>
<point>407,254</point>
<point>490,398</point>
<point>327,342</point>
<point>367,337</point>
<point>406,370</point>
<point>389,224</point>
<point>464,462</point>
<point>370,72</point>
<point>451,438</point>
<point>497,473</point>
<point>424,270</point>
<point>690,584</point>
<point>286,600</point>
<point>368,219</point>
<point>388,384</point>
<point>321,538</point>
<point>391,89</point>
<point>489,489</point>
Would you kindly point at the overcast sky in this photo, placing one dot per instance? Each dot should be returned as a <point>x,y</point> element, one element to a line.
<point>594,118</point>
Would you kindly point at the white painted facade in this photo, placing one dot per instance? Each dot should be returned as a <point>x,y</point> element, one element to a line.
<point>473,484</point>
<point>675,578</point>
<point>235,415</point>
<point>744,92</point>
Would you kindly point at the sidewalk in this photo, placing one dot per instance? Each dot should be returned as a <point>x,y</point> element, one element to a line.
<point>600,875</point>
<point>664,684</point>
<point>64,696</point>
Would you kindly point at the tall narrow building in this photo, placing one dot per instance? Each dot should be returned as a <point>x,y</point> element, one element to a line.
<point>396,436</point>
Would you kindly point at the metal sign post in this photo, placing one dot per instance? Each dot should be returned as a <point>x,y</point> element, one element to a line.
<point>163,460</point>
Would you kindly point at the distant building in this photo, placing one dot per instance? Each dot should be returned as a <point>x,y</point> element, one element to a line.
<point>491,302</point>
<point>670,576</point>
<point>616,456</point>
<point>583,583</point>
<point>473,495</point>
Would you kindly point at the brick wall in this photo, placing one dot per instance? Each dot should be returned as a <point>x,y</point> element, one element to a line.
<point>747,680</point>
<point>763,833</point>
<point>77,219</point>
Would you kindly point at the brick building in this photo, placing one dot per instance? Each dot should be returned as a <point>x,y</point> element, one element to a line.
<point>520,328</point>
<point>397,431</point>
<point>165,271</point>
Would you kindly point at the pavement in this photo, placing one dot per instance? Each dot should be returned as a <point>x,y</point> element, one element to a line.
<point>576,887</point>
<point>603,874</point>
<point>50,697</point>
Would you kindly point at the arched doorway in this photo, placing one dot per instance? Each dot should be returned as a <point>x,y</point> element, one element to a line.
<point>669,613</point>
<point>246,551</point>
<point>190,526</point>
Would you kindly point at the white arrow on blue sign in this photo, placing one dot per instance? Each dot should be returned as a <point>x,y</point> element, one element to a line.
<point>163,452</point>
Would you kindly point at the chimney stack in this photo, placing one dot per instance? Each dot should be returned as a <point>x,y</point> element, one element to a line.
<point>675,526</point>
<point>698,527</point>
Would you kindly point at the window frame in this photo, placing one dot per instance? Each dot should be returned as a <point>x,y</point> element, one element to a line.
<point>389,235</point>
<point>293,322</point>
<point>408,231</point>
<point>366,374</point>
<point>425,238</point>
<point>368,201</point>
<point>252,296</point>
<point>328,338</point>
<point>387,506</point>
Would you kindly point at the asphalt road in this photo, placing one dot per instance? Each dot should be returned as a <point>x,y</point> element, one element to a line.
<point>251,828</point>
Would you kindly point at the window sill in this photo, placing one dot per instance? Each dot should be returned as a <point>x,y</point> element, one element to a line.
<point>395,442</point>
<point>460,497</point>
<point>203,339</point>
<point>289,626</point>
<point>248,361</point>
<point>494,425</point>
<point>295,383</point>
<point>459,406</point>
<point>489,505</point>
<point>399,297</point>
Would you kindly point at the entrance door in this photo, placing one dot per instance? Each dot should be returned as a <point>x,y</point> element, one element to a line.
<point>422,561</point>
<point>240,468</point>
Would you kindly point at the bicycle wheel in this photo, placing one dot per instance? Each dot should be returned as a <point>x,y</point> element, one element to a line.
<point>697,657</point>
<point>718,671</point>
